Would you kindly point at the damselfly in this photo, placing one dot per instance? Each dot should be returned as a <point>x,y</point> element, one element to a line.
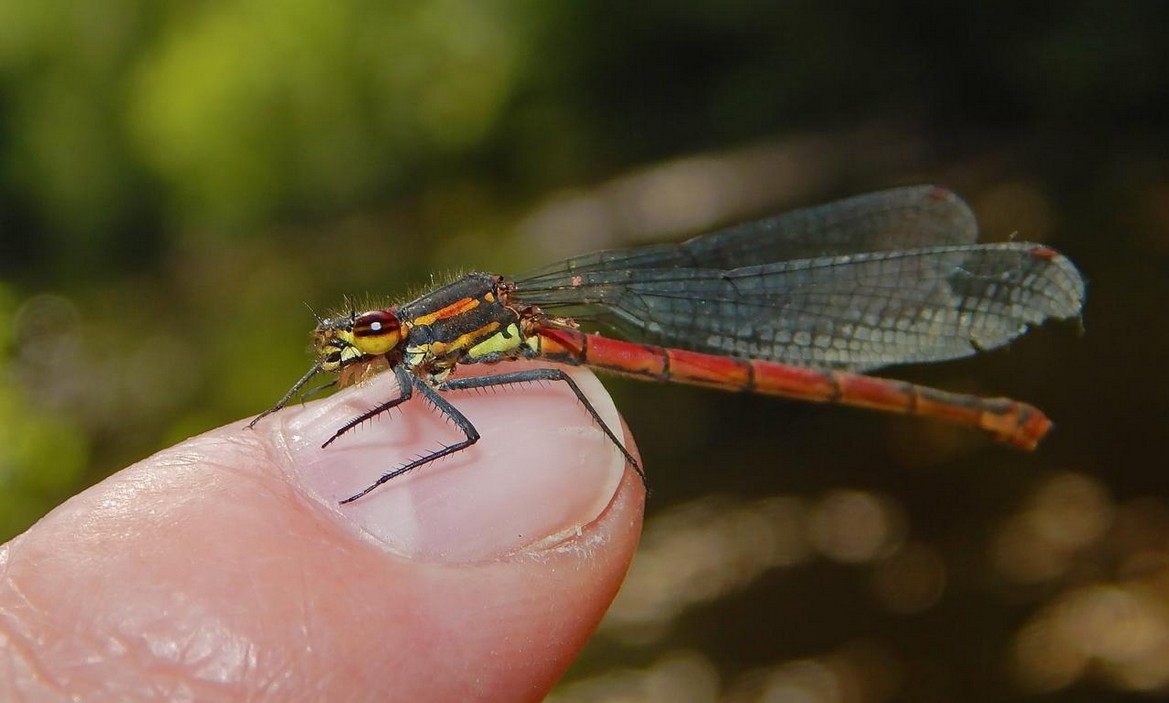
<point>795,306</point>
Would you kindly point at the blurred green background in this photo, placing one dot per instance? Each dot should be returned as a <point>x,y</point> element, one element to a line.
<point>176,178</point>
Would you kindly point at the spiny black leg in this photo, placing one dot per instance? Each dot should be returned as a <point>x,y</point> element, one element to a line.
<point>312,392</point>
<point>531,375</point>
<point>289,395</point>
<point>444,407</point>
<point>405,390</point>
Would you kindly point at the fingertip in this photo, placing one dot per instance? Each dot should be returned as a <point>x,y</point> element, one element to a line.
<point>506,555</point>
<point>484,577</point>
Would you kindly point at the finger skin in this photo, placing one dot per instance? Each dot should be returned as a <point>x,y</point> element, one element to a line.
<point>218,570</point>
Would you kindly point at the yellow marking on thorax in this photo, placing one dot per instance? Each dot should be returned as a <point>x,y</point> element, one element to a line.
<point>499,342</point>
<point>418,354</point>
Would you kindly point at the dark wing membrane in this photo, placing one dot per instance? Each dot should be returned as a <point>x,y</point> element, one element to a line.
<point>853,311</point>
<point>900,218</point>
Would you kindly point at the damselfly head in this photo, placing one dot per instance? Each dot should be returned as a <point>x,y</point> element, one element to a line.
<point>356,338</point>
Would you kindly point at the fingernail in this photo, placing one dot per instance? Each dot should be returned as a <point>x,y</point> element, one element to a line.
<point>540,473</point>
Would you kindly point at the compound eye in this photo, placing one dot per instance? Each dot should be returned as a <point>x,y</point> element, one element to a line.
<point>376,332</point>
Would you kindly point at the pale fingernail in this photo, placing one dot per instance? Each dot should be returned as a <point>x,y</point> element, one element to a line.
<point>541,471</point>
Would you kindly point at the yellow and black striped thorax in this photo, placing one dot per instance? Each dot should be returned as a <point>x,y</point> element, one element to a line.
<point>466,321</point>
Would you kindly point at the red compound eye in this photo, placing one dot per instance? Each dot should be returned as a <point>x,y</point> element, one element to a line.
<point>376,332</point>
<point>375,323</point>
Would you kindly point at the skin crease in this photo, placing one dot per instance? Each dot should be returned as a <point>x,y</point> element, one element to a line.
<point>224,569</point>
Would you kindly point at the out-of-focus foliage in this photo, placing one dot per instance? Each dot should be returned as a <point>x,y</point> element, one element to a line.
<point>42,454</point>
<point>247,108</point>
<point>176,177</point>
<point>222,116</point>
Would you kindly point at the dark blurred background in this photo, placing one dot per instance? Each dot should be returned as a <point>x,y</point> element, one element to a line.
<point>176,178</point>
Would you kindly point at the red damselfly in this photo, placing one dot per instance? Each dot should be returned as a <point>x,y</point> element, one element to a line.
<point>797,306</point>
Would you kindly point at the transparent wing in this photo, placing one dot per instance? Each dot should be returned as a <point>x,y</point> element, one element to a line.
<point>886,278</point>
